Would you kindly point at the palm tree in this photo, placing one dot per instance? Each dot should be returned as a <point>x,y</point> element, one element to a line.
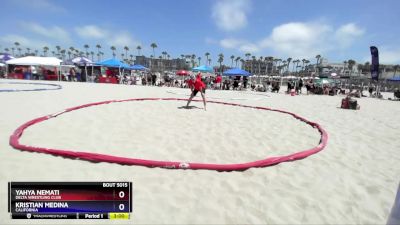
<point>192,58</point>
<point>16,45</point>
<point>199,59</point>
<point>138,48</point>
<point>247,55</point>
<point>113,50</point>
<point>6,50</point>
<point>92,54</point>
<point>45,49</point>
<point>164,53</point>
<point>36,52</point>
<point>58,49</point>
<point>232,58</point>
<point>236,61</point>
<point>98,46</point>
<point>168,56</point>
<point>69,54</point>
<point>395,68</point>
<point>19,50</point>
<point>207,55</point>
<point>302,68</point>
<point>12,49</point>
<point>86,49</point>
<point>72,49</point>
<point>63,54</point>
<point>153,46</point>
<point>209,62</point>
<point>126,48</point>
<point>270,61</point>
<point>28,50</point>
<point>220,61</point>
<point>316,67</point>
<point>288,60</point>
<point>131,57</point>
<point>242,61</point>
<point>351,63</point>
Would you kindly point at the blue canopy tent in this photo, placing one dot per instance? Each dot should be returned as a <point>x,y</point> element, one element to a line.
<point>138,67</point>
<point>236,72</point>
<point>114,63</point>
<point>202,69</point>
<point>394,79</point>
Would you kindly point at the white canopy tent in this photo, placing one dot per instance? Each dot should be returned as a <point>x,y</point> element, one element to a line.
<point>35,61</point>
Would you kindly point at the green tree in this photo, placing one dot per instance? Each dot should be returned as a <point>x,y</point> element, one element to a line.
<point>16,46</point>
<point>45,49</point>
<point>220,61</point>
<point>207,54</point>
<point>232,58</point>
<point>126,48</point>
<point>63,51</point>
<point>318,57</point>
<point>153,46</point>
<point>86,49</point>
<point>395,68</point>
<point>138,48</point>
<point>351,64</point>
<point>113,49</point>
<point>58,49</point>
<point>98,46</point>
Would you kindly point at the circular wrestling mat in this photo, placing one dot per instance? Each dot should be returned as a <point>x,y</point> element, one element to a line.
<point>5,89</point>
<point>15,142</point>
<point>220,98</point>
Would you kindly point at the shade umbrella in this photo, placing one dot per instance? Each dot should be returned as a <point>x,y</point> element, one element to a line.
<point>182,73</point>
<point>202,68</point>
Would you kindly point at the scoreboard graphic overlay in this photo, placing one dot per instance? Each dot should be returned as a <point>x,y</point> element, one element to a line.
<point>70,200</point>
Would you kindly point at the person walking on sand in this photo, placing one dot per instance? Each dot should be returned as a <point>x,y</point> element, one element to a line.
<point>198,86</point>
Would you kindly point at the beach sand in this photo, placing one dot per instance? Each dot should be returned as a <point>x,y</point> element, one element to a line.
<point>352,181</point>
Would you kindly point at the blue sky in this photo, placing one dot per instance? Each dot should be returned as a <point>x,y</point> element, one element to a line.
<point>338,30</point>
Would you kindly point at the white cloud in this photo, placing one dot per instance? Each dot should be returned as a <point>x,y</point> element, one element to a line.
<point>231,43</point>
<point>299,40</point>
<point>210,41</point>
<point>54,32</point>
<point>91,31</point>
<point>248,47</point>
<point>10,39</point>
<point>347,34</point>
<point>241,45</point>
<point>40,5</point>
<point>230,15</point>
<point>121,39</point>
<point>387,56</point>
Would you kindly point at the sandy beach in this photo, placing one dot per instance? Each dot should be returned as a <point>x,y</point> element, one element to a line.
<point>352,181</point>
